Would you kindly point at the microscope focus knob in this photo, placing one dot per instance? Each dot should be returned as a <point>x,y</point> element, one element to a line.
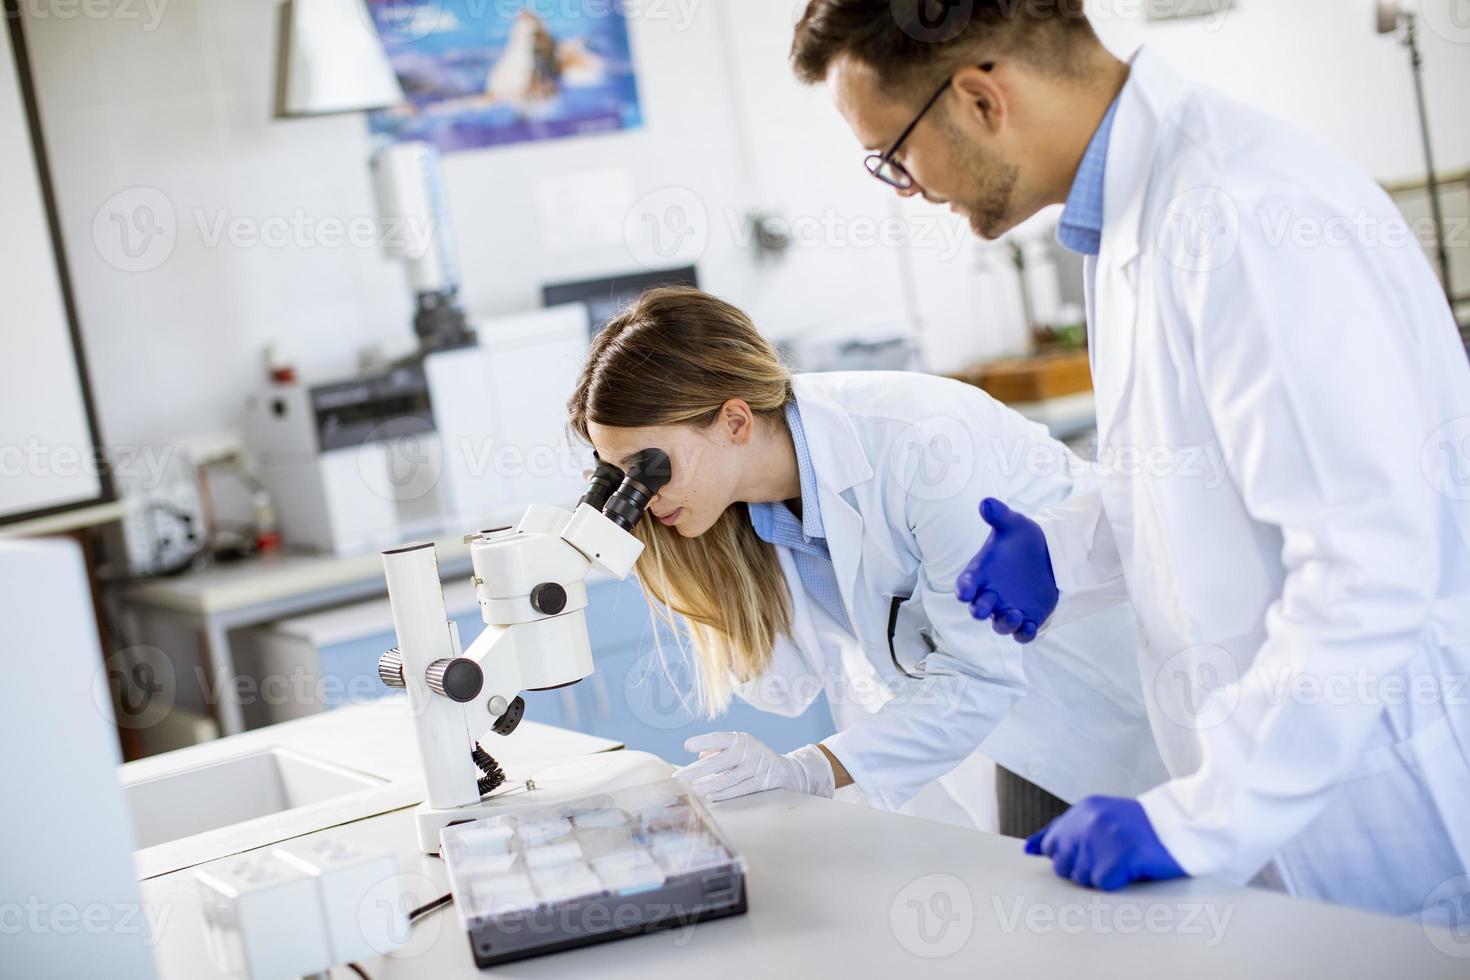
<point>548,598</point>
<point>390,668</point>
<point>456,678</point>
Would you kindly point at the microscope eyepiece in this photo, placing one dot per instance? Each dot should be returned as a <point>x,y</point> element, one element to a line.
<point>649,472</point>
<point>605,481</point>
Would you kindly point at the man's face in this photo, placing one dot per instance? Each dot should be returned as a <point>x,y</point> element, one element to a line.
<point>957,155</point>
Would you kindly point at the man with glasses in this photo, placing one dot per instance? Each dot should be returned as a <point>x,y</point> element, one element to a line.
<point>1253,300</point>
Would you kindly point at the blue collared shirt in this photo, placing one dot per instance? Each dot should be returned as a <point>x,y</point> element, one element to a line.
<point>1081,226</point>
<point>805,536</point>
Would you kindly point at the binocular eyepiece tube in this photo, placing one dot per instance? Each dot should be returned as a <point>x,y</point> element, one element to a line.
<point>624,497</point>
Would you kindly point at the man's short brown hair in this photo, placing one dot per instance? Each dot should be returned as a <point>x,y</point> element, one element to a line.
<point>914,42</point>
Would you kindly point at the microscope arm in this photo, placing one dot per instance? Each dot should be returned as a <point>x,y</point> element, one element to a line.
<point>494,651</point>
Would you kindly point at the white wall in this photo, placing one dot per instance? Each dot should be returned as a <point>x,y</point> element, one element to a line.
<point>177,117</point>
<point>182,109</point>
<point>1319,65</point>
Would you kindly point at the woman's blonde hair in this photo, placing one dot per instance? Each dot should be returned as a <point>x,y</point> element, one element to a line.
<point>675,357</point>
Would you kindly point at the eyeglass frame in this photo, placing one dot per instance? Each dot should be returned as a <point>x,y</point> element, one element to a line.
<point>873,162</point>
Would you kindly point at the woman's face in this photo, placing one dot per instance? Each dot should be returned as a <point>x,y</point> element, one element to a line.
<point>706,469</point>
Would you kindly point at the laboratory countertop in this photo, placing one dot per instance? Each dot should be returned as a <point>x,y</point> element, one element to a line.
<point>375,739</point>
<point>259,581</point>
<point>837,889</point>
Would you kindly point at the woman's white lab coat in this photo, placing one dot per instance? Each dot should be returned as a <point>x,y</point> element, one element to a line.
<point>1284,422</point>
<point>902,462</point>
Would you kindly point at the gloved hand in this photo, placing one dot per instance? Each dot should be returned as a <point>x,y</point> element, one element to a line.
<point>1009,580</point>
<point>1105,842</point>
<point>735,764</point>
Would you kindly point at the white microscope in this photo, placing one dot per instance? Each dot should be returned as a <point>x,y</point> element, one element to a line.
<point>529,580</point>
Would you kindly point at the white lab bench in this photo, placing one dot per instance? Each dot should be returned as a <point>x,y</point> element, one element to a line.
<point>841,890</point>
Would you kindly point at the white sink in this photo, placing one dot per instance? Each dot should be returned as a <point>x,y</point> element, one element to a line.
<point>189,809</point>
<point>232,791</point>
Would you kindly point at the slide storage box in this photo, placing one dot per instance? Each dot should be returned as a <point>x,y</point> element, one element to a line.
<point>600,868</point>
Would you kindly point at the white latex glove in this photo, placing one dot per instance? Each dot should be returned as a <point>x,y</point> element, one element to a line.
<point>735,764</point>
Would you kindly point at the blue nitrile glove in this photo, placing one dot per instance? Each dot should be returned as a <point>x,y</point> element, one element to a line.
<point>1010,580</point>
<point>1105,842</point>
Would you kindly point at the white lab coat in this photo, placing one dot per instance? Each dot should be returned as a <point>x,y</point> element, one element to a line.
<point>1280,498</point>
<point>901,463</point>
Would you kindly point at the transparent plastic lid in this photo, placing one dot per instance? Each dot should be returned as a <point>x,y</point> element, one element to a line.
<point>622,843</point>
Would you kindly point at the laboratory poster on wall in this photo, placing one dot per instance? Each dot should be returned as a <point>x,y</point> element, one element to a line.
<point>481,73</point>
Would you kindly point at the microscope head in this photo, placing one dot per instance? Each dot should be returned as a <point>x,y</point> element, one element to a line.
<point>602,527</point>
<point>536,569</point>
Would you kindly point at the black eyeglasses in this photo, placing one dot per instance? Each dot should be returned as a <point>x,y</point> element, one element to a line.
<point>889,170</point>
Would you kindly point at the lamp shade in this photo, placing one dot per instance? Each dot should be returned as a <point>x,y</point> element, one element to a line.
<point>330,60</point>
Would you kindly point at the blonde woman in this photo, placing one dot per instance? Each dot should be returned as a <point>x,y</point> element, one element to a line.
<point>809,539</point>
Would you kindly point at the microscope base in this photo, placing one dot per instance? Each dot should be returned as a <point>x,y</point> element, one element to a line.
<point>555,782</point>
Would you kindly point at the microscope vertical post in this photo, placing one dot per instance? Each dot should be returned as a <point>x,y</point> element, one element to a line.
<point>424,637</point>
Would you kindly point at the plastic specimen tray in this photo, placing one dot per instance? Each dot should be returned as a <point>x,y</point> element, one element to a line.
<point>599,868</point>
